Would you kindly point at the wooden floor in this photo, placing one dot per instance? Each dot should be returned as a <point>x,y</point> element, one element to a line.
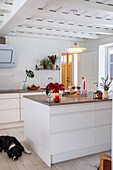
<point>33,162</point>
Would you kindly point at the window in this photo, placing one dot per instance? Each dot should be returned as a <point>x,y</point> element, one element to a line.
<point>109,61</point>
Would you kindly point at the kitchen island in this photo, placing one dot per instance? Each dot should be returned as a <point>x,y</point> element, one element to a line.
<point>75,127</point>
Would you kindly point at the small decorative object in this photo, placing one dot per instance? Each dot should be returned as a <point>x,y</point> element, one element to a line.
<point>54,88</point>
<point>45,62</point>
<point>57,67</point>
<point>53,60</point>
<point>106,85</point>
<point>97,94</point>
<point>36,67</point>
<point>29,74</point>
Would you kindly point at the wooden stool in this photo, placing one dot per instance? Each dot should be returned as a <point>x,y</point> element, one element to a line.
<point>105,162</point>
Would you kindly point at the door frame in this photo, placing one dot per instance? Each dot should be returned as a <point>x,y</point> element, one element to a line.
<point>63,51</point>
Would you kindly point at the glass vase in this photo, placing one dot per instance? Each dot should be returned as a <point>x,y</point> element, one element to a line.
<point>24,85</point>
<point>50,97</point>
<point>105,95</point>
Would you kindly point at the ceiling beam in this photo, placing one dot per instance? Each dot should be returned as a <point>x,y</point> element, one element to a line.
<point>66,27</point>
<point>74,18</point>
<point>1,18</point>
<point>82,3</point>
<point>5,8</point>
<point>54,32</point>
<point>21,10</point>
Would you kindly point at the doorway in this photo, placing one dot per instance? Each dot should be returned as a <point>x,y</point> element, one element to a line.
<point>67,66</point>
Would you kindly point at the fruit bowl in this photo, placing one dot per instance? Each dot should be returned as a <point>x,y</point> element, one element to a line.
<point>33,87</point>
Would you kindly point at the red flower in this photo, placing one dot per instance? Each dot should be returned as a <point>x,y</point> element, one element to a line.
<point>55,87</point>
<point>52,56</point>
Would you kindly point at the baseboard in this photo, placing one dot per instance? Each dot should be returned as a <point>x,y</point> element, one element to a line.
<point>80,153</point>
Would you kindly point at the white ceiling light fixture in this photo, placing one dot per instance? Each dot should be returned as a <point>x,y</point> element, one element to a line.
<point>76,49</point>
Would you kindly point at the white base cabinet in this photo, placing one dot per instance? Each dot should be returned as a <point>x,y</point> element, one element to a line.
<point>12,109</point>
<point>9,108</point>
<point>63,132</point>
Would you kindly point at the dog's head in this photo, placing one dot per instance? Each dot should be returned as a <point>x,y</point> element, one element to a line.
<point>15,152</point>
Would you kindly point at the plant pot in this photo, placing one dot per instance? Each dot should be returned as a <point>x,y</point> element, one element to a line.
<point>45,66</point>
<point>105,95</point>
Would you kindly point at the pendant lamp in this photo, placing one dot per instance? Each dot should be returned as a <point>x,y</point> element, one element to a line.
<point>76,49</point>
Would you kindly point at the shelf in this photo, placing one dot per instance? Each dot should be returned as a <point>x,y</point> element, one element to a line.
<point>46,69</point>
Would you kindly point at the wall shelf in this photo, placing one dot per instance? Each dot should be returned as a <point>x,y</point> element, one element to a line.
<point>46,69</point>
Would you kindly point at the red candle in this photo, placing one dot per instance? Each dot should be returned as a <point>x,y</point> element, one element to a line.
<point>84,84</point>
<point>57,97</point>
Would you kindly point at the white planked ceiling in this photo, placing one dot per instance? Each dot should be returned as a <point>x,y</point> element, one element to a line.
<point>84,19</point>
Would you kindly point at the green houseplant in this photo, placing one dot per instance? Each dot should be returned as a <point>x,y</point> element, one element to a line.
<point>45,62</point>
<point>53,59</point>
<point>106,85</point>
<point>29,74</point>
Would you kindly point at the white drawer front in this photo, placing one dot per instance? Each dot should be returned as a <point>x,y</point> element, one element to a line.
<point>103,117</point>
<point>65,142</point>
<point>27,94</point>
<point>67,122</point>
<point>7,116</point>
<point>72,108</point>
<point>103,135</point>
<point>22,114</point>
<point>22,103</point>
<point>9,96</point>
<point>9,104</point>
<point>103,105</point>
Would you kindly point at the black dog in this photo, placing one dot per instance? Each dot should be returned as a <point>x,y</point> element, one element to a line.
<point>12,146</point>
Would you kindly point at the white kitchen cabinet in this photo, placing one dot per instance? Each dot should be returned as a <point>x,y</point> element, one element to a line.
<point>9,108</point>
<point>12,108</point>
<point>63,132</point>
<point>9,116</point>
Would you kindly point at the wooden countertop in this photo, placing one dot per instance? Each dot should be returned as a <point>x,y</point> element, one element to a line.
<point>68,99</point>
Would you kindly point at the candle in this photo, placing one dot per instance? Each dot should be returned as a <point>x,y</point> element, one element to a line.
<point>84,84</point>
<point>57,97</point>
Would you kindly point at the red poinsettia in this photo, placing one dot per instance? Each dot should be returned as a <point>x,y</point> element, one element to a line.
<point>55,87</point>
<point>53,59</point>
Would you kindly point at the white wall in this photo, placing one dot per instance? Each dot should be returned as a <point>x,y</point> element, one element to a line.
<point>89,62</point>
<point>33,49</point>
<point>88,65</point>
<point>30,52</point>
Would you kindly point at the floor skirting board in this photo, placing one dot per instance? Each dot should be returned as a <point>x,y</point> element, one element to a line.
<point>79,153</point>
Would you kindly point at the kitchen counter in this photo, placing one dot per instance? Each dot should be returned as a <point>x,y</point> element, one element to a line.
<point>75,127</point>
<point>21,91</point>
<point>67,99</point>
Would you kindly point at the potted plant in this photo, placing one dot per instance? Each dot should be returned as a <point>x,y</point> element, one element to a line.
<point>53,59</point>
<point>53,88</point>
<point>29,74</point>
<point>45,62</point>
<point>106,85</point>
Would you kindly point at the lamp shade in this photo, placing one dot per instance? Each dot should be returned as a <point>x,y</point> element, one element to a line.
<point>76,49</point>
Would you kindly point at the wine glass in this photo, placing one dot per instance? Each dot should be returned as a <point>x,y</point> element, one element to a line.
<point>78,88</point>
<point>73,87</point>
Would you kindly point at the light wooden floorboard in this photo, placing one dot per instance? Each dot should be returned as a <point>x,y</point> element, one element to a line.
<point>33,162</point>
